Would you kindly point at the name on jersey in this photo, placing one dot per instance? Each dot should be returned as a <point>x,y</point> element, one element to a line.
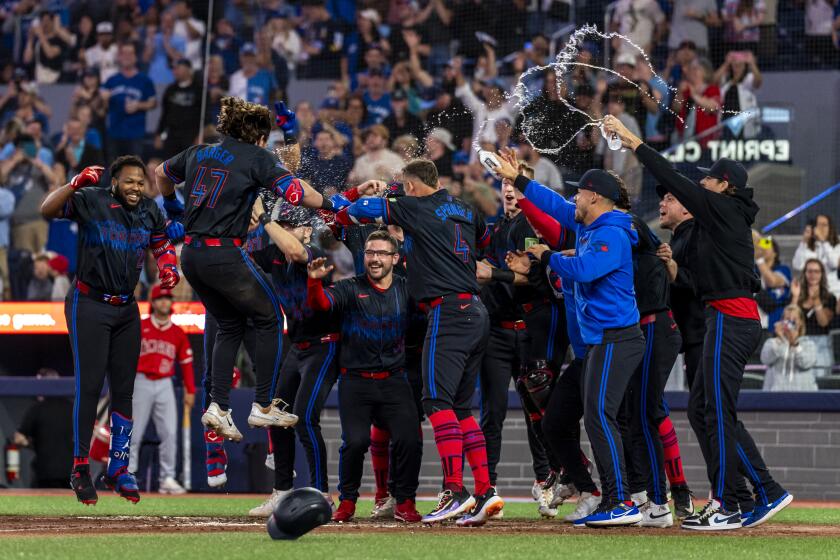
<point>451,209</point>
<point>115,235</point>
<point>214,152</point>
<point>155,346</point>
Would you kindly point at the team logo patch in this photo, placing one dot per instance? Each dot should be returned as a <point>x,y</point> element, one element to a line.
<point>294,192</point>
<point>604,248</point>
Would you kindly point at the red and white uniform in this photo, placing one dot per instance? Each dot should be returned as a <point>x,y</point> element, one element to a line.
<point>161,345</point>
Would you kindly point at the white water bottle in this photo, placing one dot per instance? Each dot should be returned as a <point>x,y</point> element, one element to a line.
<point>489,161</point>
<point>613,141</point>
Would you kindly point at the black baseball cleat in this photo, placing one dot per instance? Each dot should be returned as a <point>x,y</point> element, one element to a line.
<point>683,505</point>
<point>486,506</point>
<point>82,485</point>
<point>124,484</point>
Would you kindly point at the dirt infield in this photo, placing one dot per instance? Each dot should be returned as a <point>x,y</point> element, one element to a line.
<point>16,526</point>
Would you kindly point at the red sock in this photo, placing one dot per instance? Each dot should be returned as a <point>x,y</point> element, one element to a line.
<point>450,445</point>
<point>476,451</point>
<point>379,440</point>
<point>671,451</point>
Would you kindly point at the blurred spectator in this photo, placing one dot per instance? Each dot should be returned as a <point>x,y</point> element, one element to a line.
<point>401,121</point>
<point>89,93</point>
<point>449,112</point>
<point>545,172</point>
<point>41,284</point>
<point>690,22</point>
<point>363,37</point>
<point>775,279</point>
<point>130,95</point>
<point>739,79</point>
<point>251,82</point>
<point>330,168</point>
<point>818,304</point>
<point>412,80</point>
<point>7,206</point>
<point>407,147</point>
<point>23,103</point>
<point>376,97</point>
<point>377,162</point>
<point>59,266</point>
<point>93,134</point>
<point>623,162</point>
<point>435,19</point>
<point>468,18</point>
<point>192,30</point>
<point>635,93</point>
<point>32,129</point>
<point>285,41</point>
<point>493,108</point>
<point>742,19</point>
<point>163,47</point>
<point>180,116</point>
<point>821,242</point>
<point>820,32</point>
<point>47,47</point>
<point>29,179</point>
<point>641,21</point>
<point>697,102</point>
<point>789,356</point>
<point>323,39</point>
<point>74,151</point>
<point>655,98</point>
<point>439,148</point>
<point>103,55</point>
<point>306,122</point>
<point>226,45</point>
<point>85,32</point>
<point>217,87</point>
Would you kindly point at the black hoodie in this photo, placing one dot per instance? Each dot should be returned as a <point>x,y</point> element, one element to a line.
<point>723,226</point>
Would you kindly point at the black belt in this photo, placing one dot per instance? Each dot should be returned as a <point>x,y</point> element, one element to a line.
<point>111,299</point>
<point>326,339</point>
<point>212,241</point>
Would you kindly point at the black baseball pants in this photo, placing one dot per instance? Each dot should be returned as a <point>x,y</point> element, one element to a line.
<point>211,329</point>
<point>306,378</point>
<point>547,330</point>
<point>507,352</point>
<point>234,289</point>
<point>608,370</point>
<point>561,425</point>
<point>105,339</point>
<point>662,345</point>
<point>729,343</point>
<point>389,403</point>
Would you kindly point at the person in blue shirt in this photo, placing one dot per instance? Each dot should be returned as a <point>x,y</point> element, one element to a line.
<point>377,99</point>
<point>162,49</point>
<point>605,302</point>
<point>252,83</point>
<point>130,95</point>
<point>775,280</point>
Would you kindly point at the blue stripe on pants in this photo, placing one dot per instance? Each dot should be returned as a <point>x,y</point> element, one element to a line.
<point>432,345</point>
<point>719,410</point>
<point>753,475</point>
<point>654,466</point>
<point>605,375</point>
<point>309,406</point>
<point>74,341</point>
<point>552,332</point>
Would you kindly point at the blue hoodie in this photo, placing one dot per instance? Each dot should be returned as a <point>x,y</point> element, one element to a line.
<point>602,268</point>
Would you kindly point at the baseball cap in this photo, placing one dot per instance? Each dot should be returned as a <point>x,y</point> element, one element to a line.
<point>398,95</point>
<point>104,27</point>
<point>248,48</point>
<point>184,62</point>
<point>159,292</point>
<point>443,136</point>
<point>295,216</point>
<point>661,191</point>
<point>599,181</point>
<point>626,58</point>
<point>726,169</point>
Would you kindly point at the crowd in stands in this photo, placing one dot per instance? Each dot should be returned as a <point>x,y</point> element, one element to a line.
<point>406,78</point>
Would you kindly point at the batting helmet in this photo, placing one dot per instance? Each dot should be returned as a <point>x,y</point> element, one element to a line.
<point>299,512</point>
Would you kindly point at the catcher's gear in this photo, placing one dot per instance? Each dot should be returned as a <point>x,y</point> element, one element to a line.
<point>88,176</point>
<point>534,388</point>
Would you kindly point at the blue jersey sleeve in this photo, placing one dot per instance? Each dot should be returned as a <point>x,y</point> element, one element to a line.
<point>595,260</point>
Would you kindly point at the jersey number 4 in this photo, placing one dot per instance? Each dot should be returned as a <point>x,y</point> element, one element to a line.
<point>462,248</point>
<point>208,185</point>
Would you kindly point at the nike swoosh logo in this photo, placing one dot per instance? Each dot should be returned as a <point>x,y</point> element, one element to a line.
<point>363,296</point>
<point>465,306</point>
<point>623,514</point>
<point>717,518</point>
<point>115,206</point>
<point>652,516</point>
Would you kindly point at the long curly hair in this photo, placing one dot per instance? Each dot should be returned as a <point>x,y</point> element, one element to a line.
<point>246,122</point>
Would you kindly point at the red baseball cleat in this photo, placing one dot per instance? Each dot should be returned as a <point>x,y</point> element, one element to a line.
<point>345,512</point>
<point>406,512</point>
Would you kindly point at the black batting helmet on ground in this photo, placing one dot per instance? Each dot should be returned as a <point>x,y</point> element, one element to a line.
<point>299,512</point>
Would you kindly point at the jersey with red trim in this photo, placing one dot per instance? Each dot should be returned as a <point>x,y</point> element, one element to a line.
<point>160,347</point>
<point>221,182</point>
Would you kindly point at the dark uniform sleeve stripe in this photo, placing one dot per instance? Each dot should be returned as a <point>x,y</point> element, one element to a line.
<point>172,177</point>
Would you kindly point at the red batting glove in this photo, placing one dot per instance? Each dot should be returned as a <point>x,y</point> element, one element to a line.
<point>169,277</point>
<point>88,176</point>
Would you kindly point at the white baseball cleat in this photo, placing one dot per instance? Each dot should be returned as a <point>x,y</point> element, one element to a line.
<point>217,481</point>
<point>639,498</point>
<point>170,486</point>
<point>586,504</point>
<point>656,515</point>
<point>221,421</point>
<point>272,415</point>
<point>544,497</point>
<point>383,508</point>
<point>266,508</point>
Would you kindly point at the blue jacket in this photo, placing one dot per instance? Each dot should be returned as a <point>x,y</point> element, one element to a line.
<point>602,268</point>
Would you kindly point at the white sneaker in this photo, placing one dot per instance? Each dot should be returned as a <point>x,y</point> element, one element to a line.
<point>217,481</point>
<point>639,498</point>
<point>536,490</point>
<point>544,497</point>
<point>586,504</point>
<point>170,486</point>
<point>221,422</point>
<point>266,508</point>
<point>656,515</point>
<point>384,508</point>
<point>274,415</point>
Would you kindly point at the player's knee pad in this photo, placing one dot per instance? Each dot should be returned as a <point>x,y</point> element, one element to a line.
<point>430,406</point>
<point>534,388</point>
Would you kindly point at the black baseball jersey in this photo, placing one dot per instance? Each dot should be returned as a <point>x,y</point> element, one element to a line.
<point>650,275</point>
<point>302,323</point>
<point>221,183</point>
<point>686,304</point>
<point>374,323</point>
<point>113,238</point>
<point>442,236</point>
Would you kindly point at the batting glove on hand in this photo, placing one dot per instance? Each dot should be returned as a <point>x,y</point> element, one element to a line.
<point>175,231</point>
<point>169,277</point>
<point>88,176</point>
<point>285,119</point>
<point>174,208</point>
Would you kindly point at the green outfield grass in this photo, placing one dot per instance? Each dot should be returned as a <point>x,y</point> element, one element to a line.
<point>415,542</point>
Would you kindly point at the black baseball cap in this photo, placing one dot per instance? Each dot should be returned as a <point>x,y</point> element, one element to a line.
<point>726,169</point>
<point>599,181</point>
<point>295,216</point>
<point>661,191</point>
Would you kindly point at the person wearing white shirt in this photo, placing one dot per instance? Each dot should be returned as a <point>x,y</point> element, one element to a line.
<point>789,356</point>
<point>820,241</point>
<point>485,113</point>
<point>103,55</point>
<point>545,172</point>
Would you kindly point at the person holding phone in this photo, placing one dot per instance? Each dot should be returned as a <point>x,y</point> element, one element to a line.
<point>789,356</point>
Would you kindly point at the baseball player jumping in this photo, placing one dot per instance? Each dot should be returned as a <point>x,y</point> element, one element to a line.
<point>116,226</point>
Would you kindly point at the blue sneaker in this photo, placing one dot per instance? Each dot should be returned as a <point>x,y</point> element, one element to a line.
<point>745,517</point>
<point>614,515</point>
<point>762,514</point>
<point>450,504</point>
